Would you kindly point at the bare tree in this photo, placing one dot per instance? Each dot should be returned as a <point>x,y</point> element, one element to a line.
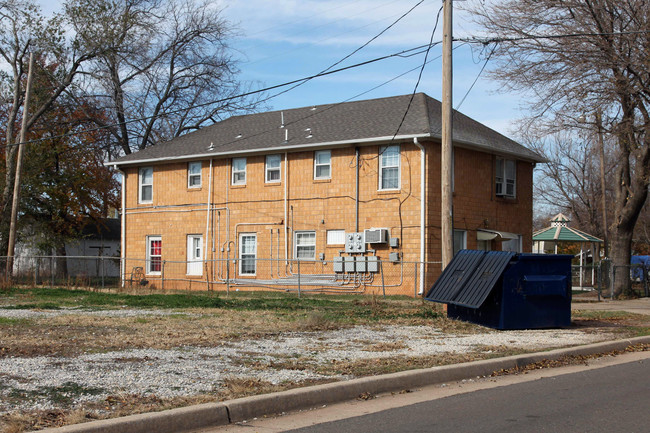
<point>570,180</point>
<point>166,70</point>
<point>22,30</point>
<point>571,58</point>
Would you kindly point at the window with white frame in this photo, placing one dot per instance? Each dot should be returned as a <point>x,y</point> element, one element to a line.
<point>389,172</point>
<point>239,171</point>
<point>247,253</point>
<point>272,167</point>
<point>505,177</point>
<point>323,164</point>
<point>336,237</point>
<point>154,255</point>
<point>305,245</point>
<point>145,187</point>
<point>460,240</point>
<point>194,175</point>
<point>513,245</point>
<point>194,254</point>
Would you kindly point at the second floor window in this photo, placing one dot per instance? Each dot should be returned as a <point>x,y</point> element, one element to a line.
<point>273,168</point>
<point>145,190</point>
<point>194,175</point>
<point>239,171</point>
<point>389,167</point>
<point>322,164</point>
<point>505,177</point>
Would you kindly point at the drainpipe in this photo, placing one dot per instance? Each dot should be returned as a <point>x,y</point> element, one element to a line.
<point>123,230</point>
<point>422,212</point>
<point>207,228</point>
<point>286,210</point>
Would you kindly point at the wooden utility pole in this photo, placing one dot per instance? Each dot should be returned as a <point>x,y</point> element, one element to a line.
<point>19,163</point>
<point>447,236</point>
<point>601,152</point>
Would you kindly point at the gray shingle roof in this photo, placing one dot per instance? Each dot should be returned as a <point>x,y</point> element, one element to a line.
<point>368,121</point>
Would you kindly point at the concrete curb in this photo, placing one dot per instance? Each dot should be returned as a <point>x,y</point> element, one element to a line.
<point>216,414</point>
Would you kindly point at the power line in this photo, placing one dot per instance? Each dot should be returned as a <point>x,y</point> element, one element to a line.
<point>476,79</point>
<point>424,63</point>
<point>403,54</point>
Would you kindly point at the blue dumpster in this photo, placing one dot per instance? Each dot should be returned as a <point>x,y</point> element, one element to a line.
<point>505,290</point>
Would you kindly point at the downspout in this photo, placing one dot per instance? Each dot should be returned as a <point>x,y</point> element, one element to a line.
<point>422,212</point>
<point>123,230</point>
<point>356,198</point>
<point>207,228</point>
<point>286,208</point>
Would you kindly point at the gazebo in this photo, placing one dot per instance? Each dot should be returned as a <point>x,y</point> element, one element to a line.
<point>545,241</point>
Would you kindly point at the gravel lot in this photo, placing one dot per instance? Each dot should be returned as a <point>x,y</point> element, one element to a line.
<point>186,371</point>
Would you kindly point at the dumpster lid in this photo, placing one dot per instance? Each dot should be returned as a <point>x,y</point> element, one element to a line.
<point>469,278</point>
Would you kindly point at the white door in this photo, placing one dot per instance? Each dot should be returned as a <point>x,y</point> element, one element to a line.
<point>194,255</point>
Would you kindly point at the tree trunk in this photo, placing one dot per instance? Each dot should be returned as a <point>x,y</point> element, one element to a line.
<point>620,248</point>
<point>61,262</point>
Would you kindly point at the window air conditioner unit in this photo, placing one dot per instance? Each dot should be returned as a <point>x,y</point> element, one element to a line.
<point>376,236</point>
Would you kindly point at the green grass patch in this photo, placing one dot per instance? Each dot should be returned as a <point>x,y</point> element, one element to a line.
<point>11,321</point>
<point>64,395</point>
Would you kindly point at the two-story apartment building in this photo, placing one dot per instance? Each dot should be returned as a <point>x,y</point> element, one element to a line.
<point>337,186</point>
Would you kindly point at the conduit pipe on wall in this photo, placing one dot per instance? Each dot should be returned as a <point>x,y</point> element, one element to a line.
<point>123,230</point>
<point>422,212</point>
<point>356,198</point>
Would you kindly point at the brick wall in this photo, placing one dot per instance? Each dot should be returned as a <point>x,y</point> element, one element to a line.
<point>259,207</point>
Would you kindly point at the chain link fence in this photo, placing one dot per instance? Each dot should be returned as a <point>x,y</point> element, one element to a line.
<point>351,276</point>
<point>300,276</point>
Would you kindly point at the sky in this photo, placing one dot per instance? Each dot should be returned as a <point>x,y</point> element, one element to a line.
<point>285,40</point>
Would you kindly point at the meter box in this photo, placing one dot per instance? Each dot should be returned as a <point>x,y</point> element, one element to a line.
<point>361,264</point>
<point>355,243</point>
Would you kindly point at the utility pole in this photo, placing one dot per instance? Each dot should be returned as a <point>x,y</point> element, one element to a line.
<point>447,236</point>
<point>19,163</point>
<point>601,151</point>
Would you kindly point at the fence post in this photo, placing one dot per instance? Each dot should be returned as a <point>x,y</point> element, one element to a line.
<point>381,269</point>
<point>415,283</point>
<point>162,275</point>
<point>611,281</point>
<point>101,260</point>
<point>299,289</point>
<point>51,272</point>
<point>227,275</point>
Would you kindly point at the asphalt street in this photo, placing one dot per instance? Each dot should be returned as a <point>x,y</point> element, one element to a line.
<point>608,399</point>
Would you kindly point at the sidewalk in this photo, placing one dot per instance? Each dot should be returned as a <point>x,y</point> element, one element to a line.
<point>637,306</point>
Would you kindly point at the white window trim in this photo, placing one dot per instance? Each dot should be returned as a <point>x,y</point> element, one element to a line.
<point>241,261</point>
<point>399,168</point>
<point>141,184</point>
<point>232,177</point>
<point>192,260</point>
<point>199,174</point>
<point>150,239</point>
<point>504,181</point>
<point>316,164</point>
<point>278,168</point>
<point>295,244</point>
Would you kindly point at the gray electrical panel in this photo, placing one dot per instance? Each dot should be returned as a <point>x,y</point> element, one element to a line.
<point>348,264</point>
<point>394,242</point>
<point>338,264</point>
<point>355,243</point>
<point>361,263</point>
<point>393,257</point>
<point>373,264</point>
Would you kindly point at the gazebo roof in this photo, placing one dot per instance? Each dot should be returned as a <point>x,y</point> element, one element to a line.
<point>560,232</point>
